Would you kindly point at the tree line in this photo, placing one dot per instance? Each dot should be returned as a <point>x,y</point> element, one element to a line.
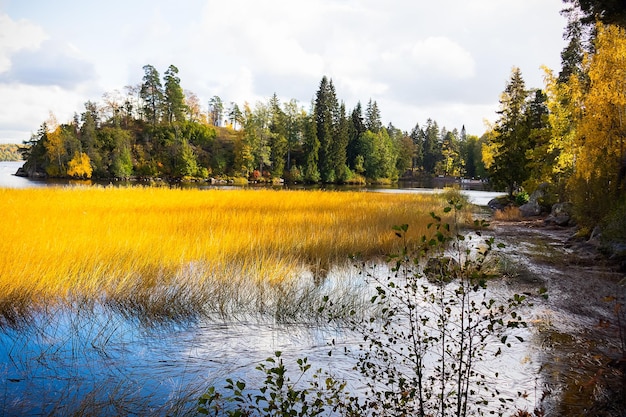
<point>157,129</point>
<point>9,152</point>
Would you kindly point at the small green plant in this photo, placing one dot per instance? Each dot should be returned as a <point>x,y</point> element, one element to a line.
<point>521,198</point>
<point>279,396</point>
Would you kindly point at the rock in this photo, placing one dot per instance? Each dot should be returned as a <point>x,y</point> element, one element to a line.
<point>560,215</point>
<point>539,201</point>
<point>530,209</point>
<point>498,203</point>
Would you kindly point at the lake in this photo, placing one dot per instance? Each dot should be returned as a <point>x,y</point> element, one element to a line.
<point>475,191</point>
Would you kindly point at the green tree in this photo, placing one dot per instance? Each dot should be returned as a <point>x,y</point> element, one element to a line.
<point>431,148</point>
<point>450,161</point>
<point>406,150</point>
<point>417,136</point>
<point>174,99</point>
<point>573,53</point>
<point>34,152</point>
<point>540,154</point>
<point>294,117</point>
<point>121,160</point>
<point>605,11</point>
<point>235,115</point>
<point>471,156</point>
<point>325,111</point>
<point>339,145</point>
<point>356,129</point>
<point>372,117</point>
<point>151,94</point>
<point>186,163</point>
<point>278,137</point>
<point>311,147</point>
<point>89,138</point>
<point>509,146</point>
<point>216,112</point>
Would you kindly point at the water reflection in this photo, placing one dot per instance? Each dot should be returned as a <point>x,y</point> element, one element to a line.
<point>475,190</point>
<point>96,361</point>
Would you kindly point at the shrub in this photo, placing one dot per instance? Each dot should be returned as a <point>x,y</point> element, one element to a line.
<point>421,341</point>
<point>521,198</point>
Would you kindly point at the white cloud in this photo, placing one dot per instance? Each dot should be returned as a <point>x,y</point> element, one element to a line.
<point>441,57</point>
<point>16,36</point>
<point>50,64</point>
<point>30,105</point>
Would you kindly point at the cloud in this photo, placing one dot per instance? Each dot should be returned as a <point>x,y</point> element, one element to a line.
<point>31,105</point>
<point>16,36</point>
<point>52,64</point>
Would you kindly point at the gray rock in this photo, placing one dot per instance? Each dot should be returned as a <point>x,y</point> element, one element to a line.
<point>561,215</point>
<point>537,201</point>
<point>498,203</point>
<point>530,209</point>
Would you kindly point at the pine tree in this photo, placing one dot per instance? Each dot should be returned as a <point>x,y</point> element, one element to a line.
<point>511,142</point>
<point>431,147</point>
<point>174,99</point>
<point>372,117</point>
<point>339,145</point>
<point>151,94</point>
<point>311,147</point>
<point>356,128</point>
<point>325,111</point>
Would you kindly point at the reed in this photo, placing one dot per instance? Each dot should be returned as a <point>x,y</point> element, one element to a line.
<point>167,249</point>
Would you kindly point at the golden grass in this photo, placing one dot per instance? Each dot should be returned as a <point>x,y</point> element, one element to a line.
<point>509,214</point>
<point>116,243</point>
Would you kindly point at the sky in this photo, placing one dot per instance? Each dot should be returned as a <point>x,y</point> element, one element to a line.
<point>447,60</point>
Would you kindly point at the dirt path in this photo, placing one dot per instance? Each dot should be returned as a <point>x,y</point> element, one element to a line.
<point>577,328</point>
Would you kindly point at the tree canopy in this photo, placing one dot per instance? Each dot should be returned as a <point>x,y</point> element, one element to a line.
<point>158,129</point>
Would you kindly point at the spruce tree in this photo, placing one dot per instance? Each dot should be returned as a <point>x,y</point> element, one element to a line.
<point>151,94</point>
<point>511,141</point>
<point>174,99</point>
<point>325,111</point>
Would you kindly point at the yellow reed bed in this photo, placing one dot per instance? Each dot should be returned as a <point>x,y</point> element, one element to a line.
<point>97,242</point>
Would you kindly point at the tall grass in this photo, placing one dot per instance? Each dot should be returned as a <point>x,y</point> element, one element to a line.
<point>169,250</point>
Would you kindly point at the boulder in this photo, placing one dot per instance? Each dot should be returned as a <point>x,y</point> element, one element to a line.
<point>560,215</point>
<point>530,209</point>
<point>498,203</point>
<point>539,201</point>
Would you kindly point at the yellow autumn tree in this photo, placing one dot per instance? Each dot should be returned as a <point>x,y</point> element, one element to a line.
<point>80,166</point>
<point>552,158</point>
<point>598,145</point>
<point>56,152</point>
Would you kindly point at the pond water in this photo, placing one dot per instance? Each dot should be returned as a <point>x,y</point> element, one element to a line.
<point>94,361</point>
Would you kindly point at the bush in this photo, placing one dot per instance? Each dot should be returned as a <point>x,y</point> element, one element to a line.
<point>521,198</point>
<point>427,330</point>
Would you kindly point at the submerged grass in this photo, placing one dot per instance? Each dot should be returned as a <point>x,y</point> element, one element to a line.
<point>168,251</point>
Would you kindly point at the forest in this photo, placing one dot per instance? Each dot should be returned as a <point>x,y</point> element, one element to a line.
<point>569,134</point>
<point>158,130</point>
